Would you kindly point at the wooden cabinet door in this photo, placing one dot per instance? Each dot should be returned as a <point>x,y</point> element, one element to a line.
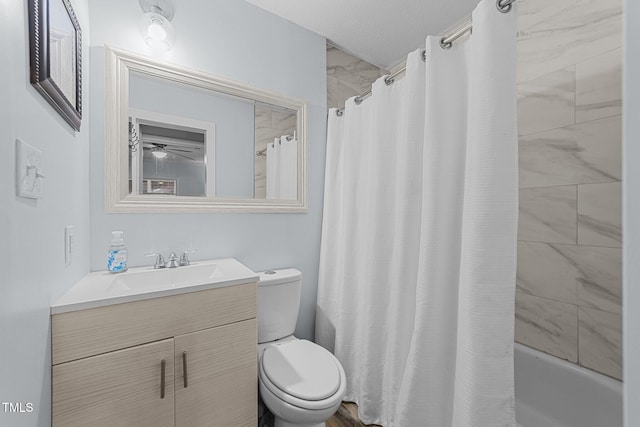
<point>117,389</point>
<point>221,386</point>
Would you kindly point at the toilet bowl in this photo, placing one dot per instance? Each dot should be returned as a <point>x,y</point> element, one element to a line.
<point>300,382</point>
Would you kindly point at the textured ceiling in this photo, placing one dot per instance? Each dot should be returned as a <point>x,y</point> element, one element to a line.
<point>381,32</point>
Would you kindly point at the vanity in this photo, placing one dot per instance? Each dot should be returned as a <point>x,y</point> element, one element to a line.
<point>157,348</point>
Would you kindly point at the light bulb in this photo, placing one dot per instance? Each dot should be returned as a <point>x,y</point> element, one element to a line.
<point>156,31</point>
<point>159,154</point>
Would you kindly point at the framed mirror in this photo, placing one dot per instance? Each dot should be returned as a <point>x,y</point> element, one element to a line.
<point>179,140</point>
<point>55,45</point>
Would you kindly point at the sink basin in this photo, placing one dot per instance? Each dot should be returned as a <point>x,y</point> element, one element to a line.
<point>104,288</point>
<point>166,278</point>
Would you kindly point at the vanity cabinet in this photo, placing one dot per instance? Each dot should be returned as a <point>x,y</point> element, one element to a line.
<point>220,387</point>
<point>120,388</point>
<point>187,360</point>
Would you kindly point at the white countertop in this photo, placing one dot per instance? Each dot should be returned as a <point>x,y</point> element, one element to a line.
<point>103,288</point>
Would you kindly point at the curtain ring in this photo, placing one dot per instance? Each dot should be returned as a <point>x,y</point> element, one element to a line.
<point>339,112</point>
<point>424,55</point>
<point>358,100</point>
<point>504,6</point>
<point>447,45</point>
<point>388,80</point>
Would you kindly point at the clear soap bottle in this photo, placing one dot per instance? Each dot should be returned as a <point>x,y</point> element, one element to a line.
<point>117,256</point>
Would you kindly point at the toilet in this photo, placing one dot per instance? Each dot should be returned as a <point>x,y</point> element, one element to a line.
<point>300,382</point>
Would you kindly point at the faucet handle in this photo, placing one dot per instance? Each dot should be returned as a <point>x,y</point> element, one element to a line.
<point>160,263</point>
<point>184,259</point>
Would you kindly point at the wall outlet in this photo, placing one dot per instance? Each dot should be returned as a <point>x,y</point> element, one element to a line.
<point>68,244</point>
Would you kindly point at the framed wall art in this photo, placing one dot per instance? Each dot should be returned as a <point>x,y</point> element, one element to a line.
<point>55,44</point>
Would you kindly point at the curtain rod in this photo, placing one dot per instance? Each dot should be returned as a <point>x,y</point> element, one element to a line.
<point>263,152</point>
<point>446,41</point>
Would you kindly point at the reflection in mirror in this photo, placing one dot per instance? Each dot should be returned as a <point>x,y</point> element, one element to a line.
<point>200,143</point>
<point>62,46</point>
<point>165,148</point>
<point>170,118</point>
<point>276,146</point>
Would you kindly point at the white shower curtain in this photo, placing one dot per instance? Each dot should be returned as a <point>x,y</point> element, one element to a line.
<point>282,168</point>
<point>417,270</point>
<point>273,163</point>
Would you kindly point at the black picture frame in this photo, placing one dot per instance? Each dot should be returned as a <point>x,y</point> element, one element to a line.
<point>60,82</point>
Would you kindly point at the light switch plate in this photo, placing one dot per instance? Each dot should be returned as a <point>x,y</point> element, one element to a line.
<point>29,176</point>
<point>68,244</point>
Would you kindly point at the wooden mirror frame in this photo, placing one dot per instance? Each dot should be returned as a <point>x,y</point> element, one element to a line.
<point>118,65</point>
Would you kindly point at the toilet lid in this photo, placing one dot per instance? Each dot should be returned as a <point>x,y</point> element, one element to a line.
<point>302,369</point>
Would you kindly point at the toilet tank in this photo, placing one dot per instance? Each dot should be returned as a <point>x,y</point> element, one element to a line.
<point>278,303</point>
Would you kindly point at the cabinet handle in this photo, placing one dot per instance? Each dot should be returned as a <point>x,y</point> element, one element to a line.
<point>162,366</point>
<point>184,369</point>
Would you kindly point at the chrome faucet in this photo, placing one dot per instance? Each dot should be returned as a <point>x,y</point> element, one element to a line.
<point>184,259</point>
<point>159,260</point>
<point>173,260</point>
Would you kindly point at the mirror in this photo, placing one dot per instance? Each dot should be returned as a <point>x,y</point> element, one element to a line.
<point>178,140</point>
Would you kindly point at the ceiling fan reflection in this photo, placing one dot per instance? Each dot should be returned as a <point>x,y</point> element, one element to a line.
<point>160,151</point>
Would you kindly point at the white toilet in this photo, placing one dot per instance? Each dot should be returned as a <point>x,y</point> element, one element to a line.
<point>301,383</point>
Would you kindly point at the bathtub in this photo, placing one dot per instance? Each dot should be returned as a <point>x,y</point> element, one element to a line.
<point>551,392</point>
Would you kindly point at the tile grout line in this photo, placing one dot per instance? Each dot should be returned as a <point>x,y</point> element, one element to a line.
<point>576,304</point>
<point>525,135</point>
<point>588,58</point>
<point>569,243</point>
<point>577,217</point>
<point>578,336</point>
<point>575,90</point>
<point>569,185</point>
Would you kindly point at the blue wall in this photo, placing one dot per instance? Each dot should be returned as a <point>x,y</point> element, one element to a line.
<point>33,273</point>
<point>234,127</point>
<point>236,40</point>
<point>229,38</point>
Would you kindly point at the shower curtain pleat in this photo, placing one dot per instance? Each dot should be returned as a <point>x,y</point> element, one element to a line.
<point>417,270</point>
<point>288,171</point>
<point>273,166</point>
<point>282,169</point>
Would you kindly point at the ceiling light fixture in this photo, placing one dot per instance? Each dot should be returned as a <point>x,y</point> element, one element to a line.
<point>157,30</point>
<point>159,153</point>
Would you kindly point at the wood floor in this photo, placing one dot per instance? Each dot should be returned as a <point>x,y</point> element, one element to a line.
<point>347,416</point>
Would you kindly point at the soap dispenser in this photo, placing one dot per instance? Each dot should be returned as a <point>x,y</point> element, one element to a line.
<point>117,256</point>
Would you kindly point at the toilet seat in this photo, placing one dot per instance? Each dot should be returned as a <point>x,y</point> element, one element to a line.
<point>303,374</point>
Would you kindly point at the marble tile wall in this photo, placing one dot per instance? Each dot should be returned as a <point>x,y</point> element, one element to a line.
<point>269,124</point>
<point>347,76</point>
<point>568,300</point>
